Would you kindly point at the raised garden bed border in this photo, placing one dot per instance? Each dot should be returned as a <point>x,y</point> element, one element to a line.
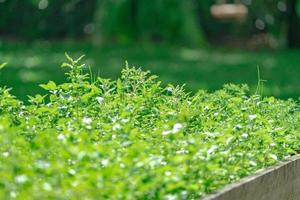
<point>280,182</point>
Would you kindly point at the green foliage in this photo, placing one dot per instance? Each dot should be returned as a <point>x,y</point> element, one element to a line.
<point>2,65</point>
<point>134,139</point>
<point>298,8</point>
<point>122,20</point>
<point>161,20</point>
<point>45,18</point>
<point>195,67</point>
<point>126,21</point>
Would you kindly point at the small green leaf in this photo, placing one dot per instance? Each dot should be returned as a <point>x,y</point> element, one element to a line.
<point>49,86</point>
<point>2,65</point>
<point>37,98</point>
<point>79,59</point>
<point>86,97</point>
<point>66,86</point>
<point>52,85</point>
<point>53,97</point>
<point>119,86</point>
<point>67,65</point>
<point>69,58</point>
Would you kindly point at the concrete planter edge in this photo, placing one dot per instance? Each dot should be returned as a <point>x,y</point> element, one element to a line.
<point>279,182</point>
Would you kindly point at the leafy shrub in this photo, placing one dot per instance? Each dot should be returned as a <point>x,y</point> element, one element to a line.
<point>131,138</point>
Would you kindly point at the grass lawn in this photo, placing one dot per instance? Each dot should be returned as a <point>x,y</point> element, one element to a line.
<point>33,63</point>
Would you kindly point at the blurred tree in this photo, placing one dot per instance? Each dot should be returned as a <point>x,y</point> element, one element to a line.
<point>172,21</point>
<point>113,20</point>
<point>160,20</point>
<point>45,18</point>
<point>265,18</point>
<point>294,23</point>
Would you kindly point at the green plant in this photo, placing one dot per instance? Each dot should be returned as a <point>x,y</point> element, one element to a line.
<point>37,63</point>
<point>132,138</point>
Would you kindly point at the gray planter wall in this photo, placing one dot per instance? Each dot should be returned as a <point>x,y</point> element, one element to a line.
<point>281,182</point>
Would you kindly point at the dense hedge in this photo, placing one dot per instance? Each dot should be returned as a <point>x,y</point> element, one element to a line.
<point>94,138</point>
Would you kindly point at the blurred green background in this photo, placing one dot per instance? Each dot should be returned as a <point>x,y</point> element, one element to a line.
<point>181,41</point>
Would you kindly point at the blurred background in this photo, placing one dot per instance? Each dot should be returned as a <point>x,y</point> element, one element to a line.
<point>203,43</point>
